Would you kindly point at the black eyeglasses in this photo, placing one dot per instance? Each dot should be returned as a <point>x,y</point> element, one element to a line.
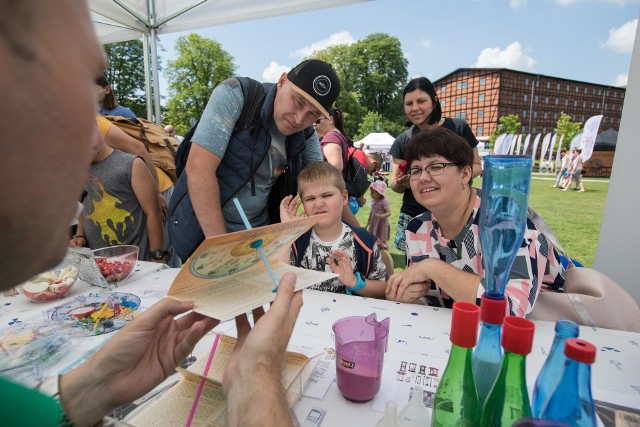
<point>320,119</point>
<point>434,169</point>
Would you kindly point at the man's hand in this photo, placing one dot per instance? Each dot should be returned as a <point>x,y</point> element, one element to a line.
<point>252,378</point>
<point>133,362</point>
<point>289,208</point>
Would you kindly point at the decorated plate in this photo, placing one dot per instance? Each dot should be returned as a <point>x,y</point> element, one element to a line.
<point>99,313</point>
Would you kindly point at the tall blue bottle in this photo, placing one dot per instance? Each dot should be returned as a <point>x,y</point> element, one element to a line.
<point>487,355</point>
<point>551,371</point>
<point>571,401</point>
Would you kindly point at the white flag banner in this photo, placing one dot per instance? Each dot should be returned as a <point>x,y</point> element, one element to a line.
<point>512,143</point>
<point>518,144</point>
<point>526,144</point>
<point>535,147</point>
<point>589,136</point>
<point>497,146</point>
<point>506,142</point>
<point>553,145</point>
<point>576,141</point>
<point>545,146</point>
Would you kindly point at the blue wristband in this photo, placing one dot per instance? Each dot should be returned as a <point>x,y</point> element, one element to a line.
<point>360,283</point>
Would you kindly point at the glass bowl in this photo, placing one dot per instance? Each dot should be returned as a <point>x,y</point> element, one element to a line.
<point>116,262</point>
<point>51,285</point>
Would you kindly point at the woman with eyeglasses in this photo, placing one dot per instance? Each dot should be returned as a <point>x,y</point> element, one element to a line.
<point>423,110</point>
<point>443,245</point>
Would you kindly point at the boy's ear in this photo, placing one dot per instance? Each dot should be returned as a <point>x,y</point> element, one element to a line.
<point>345,197</point>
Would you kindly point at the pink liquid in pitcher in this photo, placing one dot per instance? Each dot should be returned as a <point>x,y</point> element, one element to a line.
<point>358,386</point>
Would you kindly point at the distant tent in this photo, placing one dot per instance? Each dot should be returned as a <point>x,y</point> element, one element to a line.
<point>607,140</point>
<point>376,142</point>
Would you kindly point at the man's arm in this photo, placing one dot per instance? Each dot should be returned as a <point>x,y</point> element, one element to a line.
<point>204,190</point>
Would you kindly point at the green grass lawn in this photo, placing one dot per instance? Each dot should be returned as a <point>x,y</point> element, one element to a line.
<point>574,217</point>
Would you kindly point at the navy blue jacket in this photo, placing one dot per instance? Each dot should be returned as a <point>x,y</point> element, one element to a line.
<point>245,152</point>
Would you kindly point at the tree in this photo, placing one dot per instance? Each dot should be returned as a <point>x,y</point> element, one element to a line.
<point>380,71</point>
<point>374,122</point>
<point>125,74</point>
<point>506,124</point>
<point>201,65</point>
<point>372,72</point>
<point>565,126</point>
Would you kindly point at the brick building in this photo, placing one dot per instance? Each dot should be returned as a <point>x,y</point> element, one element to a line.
<point>482,95</point>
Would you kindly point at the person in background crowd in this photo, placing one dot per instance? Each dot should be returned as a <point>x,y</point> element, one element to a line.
<point>107,102</point>
<point>335,148</point>
<point>171,131</point>
<point>378,223</point>
<point>49,55</point>
<point>563,168</point>
<point>443,245</point>
<point>422,107</point>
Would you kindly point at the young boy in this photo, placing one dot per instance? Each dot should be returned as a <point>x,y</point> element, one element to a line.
<point>332,245</point>
<point>121,206</point>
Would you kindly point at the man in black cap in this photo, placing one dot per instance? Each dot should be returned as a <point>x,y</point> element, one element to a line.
<point>252,163</point>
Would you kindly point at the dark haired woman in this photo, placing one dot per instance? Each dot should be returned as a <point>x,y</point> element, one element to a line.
<point>107,103</point>
<point>443,244</point>
<point>422,107</point>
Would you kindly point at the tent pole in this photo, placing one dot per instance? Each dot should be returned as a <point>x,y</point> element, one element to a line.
<point>147,79</point>
<point>153,32</point>
<point>154,77</point>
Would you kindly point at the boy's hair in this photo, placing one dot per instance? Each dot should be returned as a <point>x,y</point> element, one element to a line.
<point>321,173</point>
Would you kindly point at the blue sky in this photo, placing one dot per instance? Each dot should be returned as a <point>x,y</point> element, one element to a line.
<point>585,40</point>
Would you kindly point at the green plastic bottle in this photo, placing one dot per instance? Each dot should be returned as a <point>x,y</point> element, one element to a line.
<point>508,400</point>
<point>456,402</point>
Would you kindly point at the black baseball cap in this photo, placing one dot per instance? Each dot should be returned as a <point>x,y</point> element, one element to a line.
<point>317,82</point>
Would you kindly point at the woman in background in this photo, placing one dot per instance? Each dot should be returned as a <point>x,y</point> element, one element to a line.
<point>422,107</point>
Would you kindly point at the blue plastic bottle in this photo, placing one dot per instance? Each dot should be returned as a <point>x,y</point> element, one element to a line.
<point>551,371</point>
<point>487,355</point>
<point>571,401</point>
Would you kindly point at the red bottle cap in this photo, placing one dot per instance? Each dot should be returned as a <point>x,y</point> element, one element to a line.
<point>464,324</point>
<point>580,350</point>
<point>493,310</point>
<point>517,335</point>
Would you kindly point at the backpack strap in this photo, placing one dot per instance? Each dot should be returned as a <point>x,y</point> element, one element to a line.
<point>364,242</point>
<point>254,95</point>
<point>299,246</point>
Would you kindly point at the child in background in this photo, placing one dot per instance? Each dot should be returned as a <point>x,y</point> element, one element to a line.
<point>332,245</point>
<point>378,222</point>
<point>121,206</point>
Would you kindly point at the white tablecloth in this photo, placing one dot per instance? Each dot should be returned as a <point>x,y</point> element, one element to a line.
<point>419,337</point>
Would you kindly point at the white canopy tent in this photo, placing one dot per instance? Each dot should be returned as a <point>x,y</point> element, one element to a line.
<point>376,142</point>
<point>122,20</point>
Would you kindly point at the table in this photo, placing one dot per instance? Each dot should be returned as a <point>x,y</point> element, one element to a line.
<point>418,336</point>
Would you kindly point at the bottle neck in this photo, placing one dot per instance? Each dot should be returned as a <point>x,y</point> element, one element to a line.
<point>514,368</point>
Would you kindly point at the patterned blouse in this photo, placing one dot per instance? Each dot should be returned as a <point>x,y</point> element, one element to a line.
<point>536,265</point>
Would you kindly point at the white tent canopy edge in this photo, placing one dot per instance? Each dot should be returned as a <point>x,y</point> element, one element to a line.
<point>122,20</point>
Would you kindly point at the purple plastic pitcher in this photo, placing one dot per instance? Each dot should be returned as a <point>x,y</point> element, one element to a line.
<point>360,346</point>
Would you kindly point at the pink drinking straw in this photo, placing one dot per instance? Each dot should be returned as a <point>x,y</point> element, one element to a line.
<point>202,381</point>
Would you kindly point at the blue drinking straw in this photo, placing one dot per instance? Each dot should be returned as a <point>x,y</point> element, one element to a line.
<point>257,244</point>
